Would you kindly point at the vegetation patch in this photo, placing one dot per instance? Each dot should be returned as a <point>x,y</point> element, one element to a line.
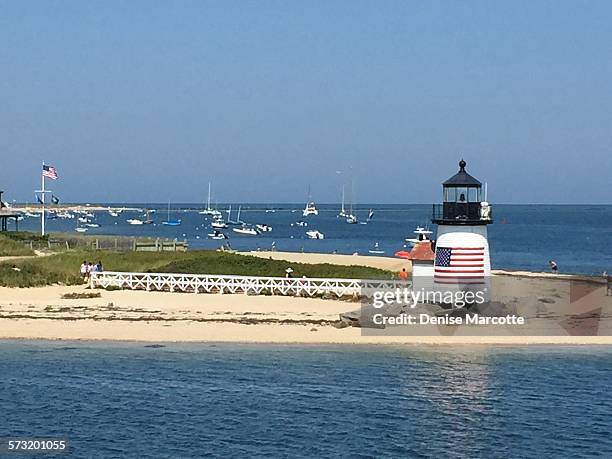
<point>13,246</point>
<point>81,295</point>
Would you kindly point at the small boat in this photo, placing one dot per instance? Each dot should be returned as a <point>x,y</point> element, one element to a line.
<point>83,220</point>
<point>112,213</point>
<point>310,208</point>
<point>80,229</point>
<point>246,230</point>
<point>263,228</point>
<point>301,223</point>
<point>270,211</point>
<point>218,224</point>
<point>422,236</point>
<point>169,222</point>
<point>376,250</point>
<point>135,221</point>
<point>30,214</point>
<point>218,235</point>
<point>314,234</point>
<point>351,219</point>
<point>92,225</point>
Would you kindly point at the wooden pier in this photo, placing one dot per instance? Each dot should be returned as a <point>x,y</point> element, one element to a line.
<point>6,214</point>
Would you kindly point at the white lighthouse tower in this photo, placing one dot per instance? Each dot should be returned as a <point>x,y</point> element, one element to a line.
<point>462,262</point>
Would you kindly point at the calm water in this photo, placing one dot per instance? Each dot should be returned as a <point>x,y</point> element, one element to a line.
<point>196,400</point>
<point>522,237</point>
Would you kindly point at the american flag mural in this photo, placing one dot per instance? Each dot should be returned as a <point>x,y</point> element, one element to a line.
<point>459,265</point>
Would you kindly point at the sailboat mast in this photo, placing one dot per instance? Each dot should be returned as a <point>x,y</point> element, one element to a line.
<point>342,199</point>
<point>208,200</point>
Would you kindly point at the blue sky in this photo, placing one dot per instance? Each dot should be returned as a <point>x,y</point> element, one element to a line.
<point>147,101</point>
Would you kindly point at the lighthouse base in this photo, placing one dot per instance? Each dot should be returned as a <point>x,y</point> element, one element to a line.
<point>462,267</point>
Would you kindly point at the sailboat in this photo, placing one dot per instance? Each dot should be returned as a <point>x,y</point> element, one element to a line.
<point>342,213</point>
<point>209,210</point>
<point>169,222</point>
<point>350,217</point>
<point>229,217</point>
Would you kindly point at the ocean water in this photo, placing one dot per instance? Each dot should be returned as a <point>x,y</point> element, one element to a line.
<point>522,237</point>
<point>130,400</point>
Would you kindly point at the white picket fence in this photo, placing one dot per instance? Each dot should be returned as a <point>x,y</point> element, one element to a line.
<point>204,283</point>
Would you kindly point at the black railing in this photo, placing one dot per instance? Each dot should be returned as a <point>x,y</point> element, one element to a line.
<point>461,213</point>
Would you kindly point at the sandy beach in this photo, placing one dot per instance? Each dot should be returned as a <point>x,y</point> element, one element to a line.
<point>554,312</point>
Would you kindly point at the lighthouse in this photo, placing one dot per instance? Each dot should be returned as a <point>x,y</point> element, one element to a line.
<point>462,263</point>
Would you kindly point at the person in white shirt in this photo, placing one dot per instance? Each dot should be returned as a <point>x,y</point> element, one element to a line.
<point>84,271</point>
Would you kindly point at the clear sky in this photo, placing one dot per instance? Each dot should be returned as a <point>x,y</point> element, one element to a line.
<point>148,101</point>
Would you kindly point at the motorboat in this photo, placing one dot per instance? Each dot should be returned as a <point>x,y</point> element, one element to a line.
<point>376,250</point>
<point>80,229</point>
<point>263,228</point>
<point>112,213</point>
<point>314,234</point>
<point>218,224</point>
<point>83,220</point>
<point>351,219</point>
<point>135,221</point>
<point>301,223</point>
<point>92,225</point>
<point>310,209</point>
<point>218,235</point>
<point>246,230</point>
<point>422,235</point>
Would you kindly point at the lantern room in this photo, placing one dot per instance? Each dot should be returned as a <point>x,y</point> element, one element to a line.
<point>463,201</point>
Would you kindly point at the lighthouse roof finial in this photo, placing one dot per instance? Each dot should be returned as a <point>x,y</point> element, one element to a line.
<point>462,164</point>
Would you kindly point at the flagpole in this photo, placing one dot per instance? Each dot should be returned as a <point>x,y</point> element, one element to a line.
<point>42,197</point>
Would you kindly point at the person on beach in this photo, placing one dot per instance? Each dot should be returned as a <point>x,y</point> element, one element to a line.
<point>553,266</point>
<point>608,279</point>
<point>99,267</point>
<point>84,271</point>
<point>288,272</point>
<point>403,274</point>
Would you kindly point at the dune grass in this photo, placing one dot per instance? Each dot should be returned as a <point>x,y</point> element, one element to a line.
<point>10,246</point>
<point>63,268</point>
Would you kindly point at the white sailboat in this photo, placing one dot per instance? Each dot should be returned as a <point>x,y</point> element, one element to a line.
<point>342,213</point>
<point>350,217</point>
<point>209,210</point>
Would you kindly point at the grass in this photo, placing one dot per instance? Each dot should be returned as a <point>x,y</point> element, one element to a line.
<point>11,246</point>
<point>63,268</point>
<point>81,295</point>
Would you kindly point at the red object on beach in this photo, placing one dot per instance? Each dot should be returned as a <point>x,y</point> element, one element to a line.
<point>402,254</point>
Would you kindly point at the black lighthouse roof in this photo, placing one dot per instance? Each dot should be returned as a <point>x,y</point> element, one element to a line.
<point>462,178</point>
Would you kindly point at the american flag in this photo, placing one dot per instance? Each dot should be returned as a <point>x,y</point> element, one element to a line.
<point>459,265</point>
<point>49,171</point>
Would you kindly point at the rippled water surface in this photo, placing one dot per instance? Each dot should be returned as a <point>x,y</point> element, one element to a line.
<point>193,400</point>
